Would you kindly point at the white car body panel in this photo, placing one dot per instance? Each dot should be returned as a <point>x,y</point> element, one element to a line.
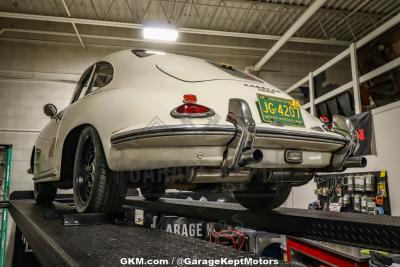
<point>140,96</point>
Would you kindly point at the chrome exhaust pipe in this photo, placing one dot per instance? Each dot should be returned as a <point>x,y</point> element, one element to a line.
<point>250,156</point>
<point>355,162</point>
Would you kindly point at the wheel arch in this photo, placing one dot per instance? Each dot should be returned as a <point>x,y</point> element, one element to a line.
<point>68,156</point>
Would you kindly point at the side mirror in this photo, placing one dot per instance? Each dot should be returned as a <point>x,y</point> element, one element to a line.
<point>50,110</point>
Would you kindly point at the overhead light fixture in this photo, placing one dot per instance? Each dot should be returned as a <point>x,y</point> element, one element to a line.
<point>161,34</point>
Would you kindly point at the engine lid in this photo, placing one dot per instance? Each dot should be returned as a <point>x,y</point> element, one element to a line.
<point>190,69</point>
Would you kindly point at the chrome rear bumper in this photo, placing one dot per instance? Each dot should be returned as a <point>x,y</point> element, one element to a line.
<point>243,143</point>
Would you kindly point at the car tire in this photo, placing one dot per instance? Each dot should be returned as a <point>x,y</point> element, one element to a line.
<point>264,198</point>
<point>96,188</point>
<point>152,191</point>
<point>45,192</point>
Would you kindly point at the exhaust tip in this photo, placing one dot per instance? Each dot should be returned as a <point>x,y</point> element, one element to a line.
<point>257,155</point>
<point>250,156</point>
<point>363,162</point>
<point>356,162</point>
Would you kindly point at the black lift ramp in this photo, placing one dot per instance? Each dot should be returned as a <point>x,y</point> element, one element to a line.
<point>103,241</point>
<point>105,244</point>
<point>363,230</point>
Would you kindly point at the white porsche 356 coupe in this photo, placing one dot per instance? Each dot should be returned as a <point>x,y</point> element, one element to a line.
<point>156,120</point>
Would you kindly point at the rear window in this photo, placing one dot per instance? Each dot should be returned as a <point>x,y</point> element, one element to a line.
<point>234,72</point>
<point>146,53</point>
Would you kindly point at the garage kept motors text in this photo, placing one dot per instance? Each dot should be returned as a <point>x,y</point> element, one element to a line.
<point>246,261</point>
<point>279,110</point>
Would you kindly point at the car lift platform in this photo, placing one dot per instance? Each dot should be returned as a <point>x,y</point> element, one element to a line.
<point>103,241</point>
<point>355,229</point>
<point>102,244</point>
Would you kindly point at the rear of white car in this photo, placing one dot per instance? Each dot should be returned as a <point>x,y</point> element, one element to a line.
<point>170,139</point>
<point>168,121</point>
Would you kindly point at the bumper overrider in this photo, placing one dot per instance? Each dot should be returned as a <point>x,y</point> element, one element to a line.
<point>344,158</point>
<point>240,159</point>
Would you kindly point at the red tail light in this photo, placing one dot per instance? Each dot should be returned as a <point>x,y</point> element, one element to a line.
<point>324,119</point>
<point>191,110</point>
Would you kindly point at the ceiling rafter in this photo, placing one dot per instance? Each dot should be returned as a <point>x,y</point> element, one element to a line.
<point>182,30</point>
<point>200,18</point>
<point>296,8</point>
<point>213,15</point>
<point>73,24</point>
<point>246,17</point>
<point>108,9</point>
<point>302,8</point>
<point>241,16</point>
<point>233,24</point>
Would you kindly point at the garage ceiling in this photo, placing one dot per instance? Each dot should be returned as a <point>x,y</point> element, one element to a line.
<point>202,22</point>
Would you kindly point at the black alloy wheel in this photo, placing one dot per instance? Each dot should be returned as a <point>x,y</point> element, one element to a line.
<point>96,187</point>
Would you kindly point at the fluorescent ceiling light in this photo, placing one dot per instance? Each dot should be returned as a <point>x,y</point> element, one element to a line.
<point>161,34</point>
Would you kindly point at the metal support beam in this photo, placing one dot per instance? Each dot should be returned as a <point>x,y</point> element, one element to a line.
<point>355,78</point>
<point>371,36</point>
<point>73,24</point>
<point>311,92</point>
<point>366,77</point>
<point>289,33</point>
<point>131,39</point>
<point>182,30</point>
<point>379,71</point>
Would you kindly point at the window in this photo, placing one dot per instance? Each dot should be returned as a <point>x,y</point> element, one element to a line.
<point>95,77</point>
<point>83,84</point>
<point>235,72</point>
<point>146,53</point>
<point>103,75</point>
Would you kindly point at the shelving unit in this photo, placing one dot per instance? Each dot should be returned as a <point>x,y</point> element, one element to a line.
<point>5,169</point>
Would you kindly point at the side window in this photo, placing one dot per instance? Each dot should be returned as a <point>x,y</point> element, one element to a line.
<point>102,76</point>
<point>83,84</point>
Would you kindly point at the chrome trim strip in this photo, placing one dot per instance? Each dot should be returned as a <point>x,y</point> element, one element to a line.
<point>157,131</point>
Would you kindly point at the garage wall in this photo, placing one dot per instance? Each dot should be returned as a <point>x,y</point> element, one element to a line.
<point>21,104</point>
<point>32,69</point>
